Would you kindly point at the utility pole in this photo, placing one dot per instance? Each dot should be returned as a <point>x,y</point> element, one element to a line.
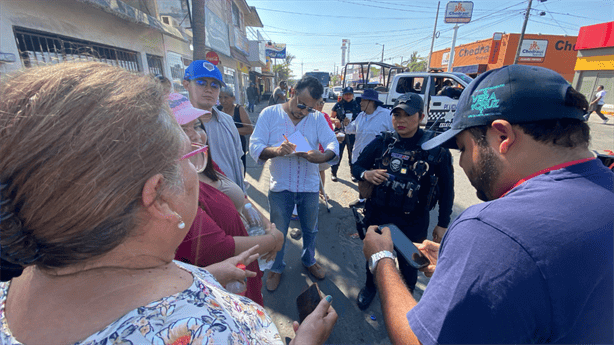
<point>428,65</point>
<point>451,60</point>
<point>198,29</point>
<point>524,27</point>
<point>382,53</point>
<point>301,67</point>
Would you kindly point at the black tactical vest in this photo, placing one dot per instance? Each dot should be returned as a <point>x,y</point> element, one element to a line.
<point>412,182</point>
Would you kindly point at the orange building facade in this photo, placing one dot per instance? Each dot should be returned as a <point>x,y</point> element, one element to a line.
<point>555,52</point>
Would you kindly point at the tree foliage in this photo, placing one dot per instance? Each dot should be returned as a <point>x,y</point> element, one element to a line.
<point>283,71</point>
<point>416,63</point>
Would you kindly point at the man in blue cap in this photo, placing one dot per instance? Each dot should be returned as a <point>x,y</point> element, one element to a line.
<point>532,264</point>
<point>347,108</point>
<point>203,80</point>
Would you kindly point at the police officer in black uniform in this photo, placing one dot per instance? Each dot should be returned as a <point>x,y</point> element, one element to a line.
<point>348,109</point>
<point>408,182</point>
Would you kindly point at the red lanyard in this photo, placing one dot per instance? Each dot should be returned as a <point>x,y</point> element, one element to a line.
<point>543,171</point>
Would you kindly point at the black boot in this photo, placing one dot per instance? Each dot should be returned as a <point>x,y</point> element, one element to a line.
<point>365,297</point>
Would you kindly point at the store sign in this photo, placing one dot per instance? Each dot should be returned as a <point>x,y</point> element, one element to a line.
<point>495,48</point>
<point>276,51</point>
<point>458,12</point>
<point>445,59</point>
<point>212,57</point>
<point>216,34</point>
<point>243,67</point>
<point>533,50</point>
<point>241,42</point>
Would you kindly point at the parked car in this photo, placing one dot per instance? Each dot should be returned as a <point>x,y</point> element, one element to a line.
<point>336,92</point>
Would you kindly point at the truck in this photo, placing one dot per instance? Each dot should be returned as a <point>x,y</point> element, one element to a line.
<point>439,90</point>
<point>324,78</point>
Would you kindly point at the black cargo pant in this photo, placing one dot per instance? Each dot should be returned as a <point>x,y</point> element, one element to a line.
<point>414,225</point>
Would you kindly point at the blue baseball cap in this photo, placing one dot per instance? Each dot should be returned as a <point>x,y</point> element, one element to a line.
<point>347,89</point>
<point>203,69</point>
<point>516,93</point>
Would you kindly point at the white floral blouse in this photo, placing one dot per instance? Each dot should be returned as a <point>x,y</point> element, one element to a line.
<point>205,313</point>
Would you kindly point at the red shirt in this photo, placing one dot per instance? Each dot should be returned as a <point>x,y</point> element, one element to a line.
<point>210,238</point>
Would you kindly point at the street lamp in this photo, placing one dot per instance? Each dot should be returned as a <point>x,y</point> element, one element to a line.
<point>382,50</point>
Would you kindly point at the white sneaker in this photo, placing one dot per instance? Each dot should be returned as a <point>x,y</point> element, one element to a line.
<point>605,121</point>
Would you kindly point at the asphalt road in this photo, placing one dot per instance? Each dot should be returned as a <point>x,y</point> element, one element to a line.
<point>340,251</point>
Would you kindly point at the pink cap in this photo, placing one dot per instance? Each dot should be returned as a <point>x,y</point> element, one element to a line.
<point>183,110</point>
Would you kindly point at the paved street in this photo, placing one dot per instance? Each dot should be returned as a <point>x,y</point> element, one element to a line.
<point>341,253</point>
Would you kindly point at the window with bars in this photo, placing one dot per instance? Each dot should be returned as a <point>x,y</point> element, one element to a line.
<point>36,48</point>
<point>155,64</point>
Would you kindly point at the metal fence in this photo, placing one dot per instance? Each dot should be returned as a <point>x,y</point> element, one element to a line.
<point>37,48</point>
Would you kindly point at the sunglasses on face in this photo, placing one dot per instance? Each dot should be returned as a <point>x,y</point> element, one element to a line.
<point>303,106</point>
<point>204,83</point>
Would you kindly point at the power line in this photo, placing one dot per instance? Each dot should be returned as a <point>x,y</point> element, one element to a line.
<point>347,17</point>
<point>387,8</point>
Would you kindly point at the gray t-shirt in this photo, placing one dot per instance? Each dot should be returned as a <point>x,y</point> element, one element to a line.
<point>225,146</point>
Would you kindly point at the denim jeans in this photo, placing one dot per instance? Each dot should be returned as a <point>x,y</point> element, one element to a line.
<point>281,205</point>
<point>250,105</point>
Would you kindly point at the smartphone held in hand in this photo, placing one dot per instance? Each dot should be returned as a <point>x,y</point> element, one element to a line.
<point>405,247</point>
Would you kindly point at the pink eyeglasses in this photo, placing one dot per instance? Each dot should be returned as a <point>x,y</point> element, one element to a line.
<point>198,157</point>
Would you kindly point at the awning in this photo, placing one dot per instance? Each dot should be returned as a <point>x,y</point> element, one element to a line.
<point>470,69</point>
<point>238,55</point>
<point>131,14</point>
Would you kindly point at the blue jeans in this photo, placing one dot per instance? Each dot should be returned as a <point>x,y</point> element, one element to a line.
<point>250,105</point>
<point>281,205</point>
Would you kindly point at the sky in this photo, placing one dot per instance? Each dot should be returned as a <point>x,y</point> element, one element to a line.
<point>313,29</point>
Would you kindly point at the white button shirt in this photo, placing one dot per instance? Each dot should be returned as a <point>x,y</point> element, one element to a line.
<point>291,172</point>
<point>367,127</point>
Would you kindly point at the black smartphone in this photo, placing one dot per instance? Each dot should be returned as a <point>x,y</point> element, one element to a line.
<point>405,247</point>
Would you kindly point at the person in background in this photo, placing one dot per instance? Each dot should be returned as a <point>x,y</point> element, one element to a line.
<point>96,240</point>
<point>279,94</point>
<point>294,175</point>
<point>252,97</point>
<point>324,166</point>
<point>514,269</point>
<point>597,104</point>
<point>240,117</point>
<point>349,109</point>
<point>203,81</point>
<point>371,121</point>
<point>218,231</point>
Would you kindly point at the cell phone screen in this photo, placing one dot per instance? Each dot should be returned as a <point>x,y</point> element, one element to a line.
<point>405,247</point>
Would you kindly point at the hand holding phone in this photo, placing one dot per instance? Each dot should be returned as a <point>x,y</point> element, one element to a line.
<point>405,247</point>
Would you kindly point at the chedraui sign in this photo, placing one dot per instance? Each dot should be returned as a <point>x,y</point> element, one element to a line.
<point>533,50</point>
<point>458,12</point>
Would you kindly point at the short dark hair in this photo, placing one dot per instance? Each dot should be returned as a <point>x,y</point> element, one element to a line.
<point>601,86</point>
<point>563,132</point>
<point>282,82</point>
<point>312,84</point>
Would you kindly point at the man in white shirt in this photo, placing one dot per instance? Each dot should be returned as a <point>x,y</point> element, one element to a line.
<point>203,80</point>
<point>373,120</point>
<point>598,103</point>
<point>295,176</point>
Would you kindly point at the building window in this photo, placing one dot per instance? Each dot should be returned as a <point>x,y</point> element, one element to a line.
<point>177,65</point>
<point>155,64</point>
<point>36,48</point>
<point>236,17</point>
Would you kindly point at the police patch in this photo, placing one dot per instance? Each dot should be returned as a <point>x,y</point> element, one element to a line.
<point>395,164</point>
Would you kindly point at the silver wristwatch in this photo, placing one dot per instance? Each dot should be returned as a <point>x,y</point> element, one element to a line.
<point>377,257</point>
<point>362,175</point>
